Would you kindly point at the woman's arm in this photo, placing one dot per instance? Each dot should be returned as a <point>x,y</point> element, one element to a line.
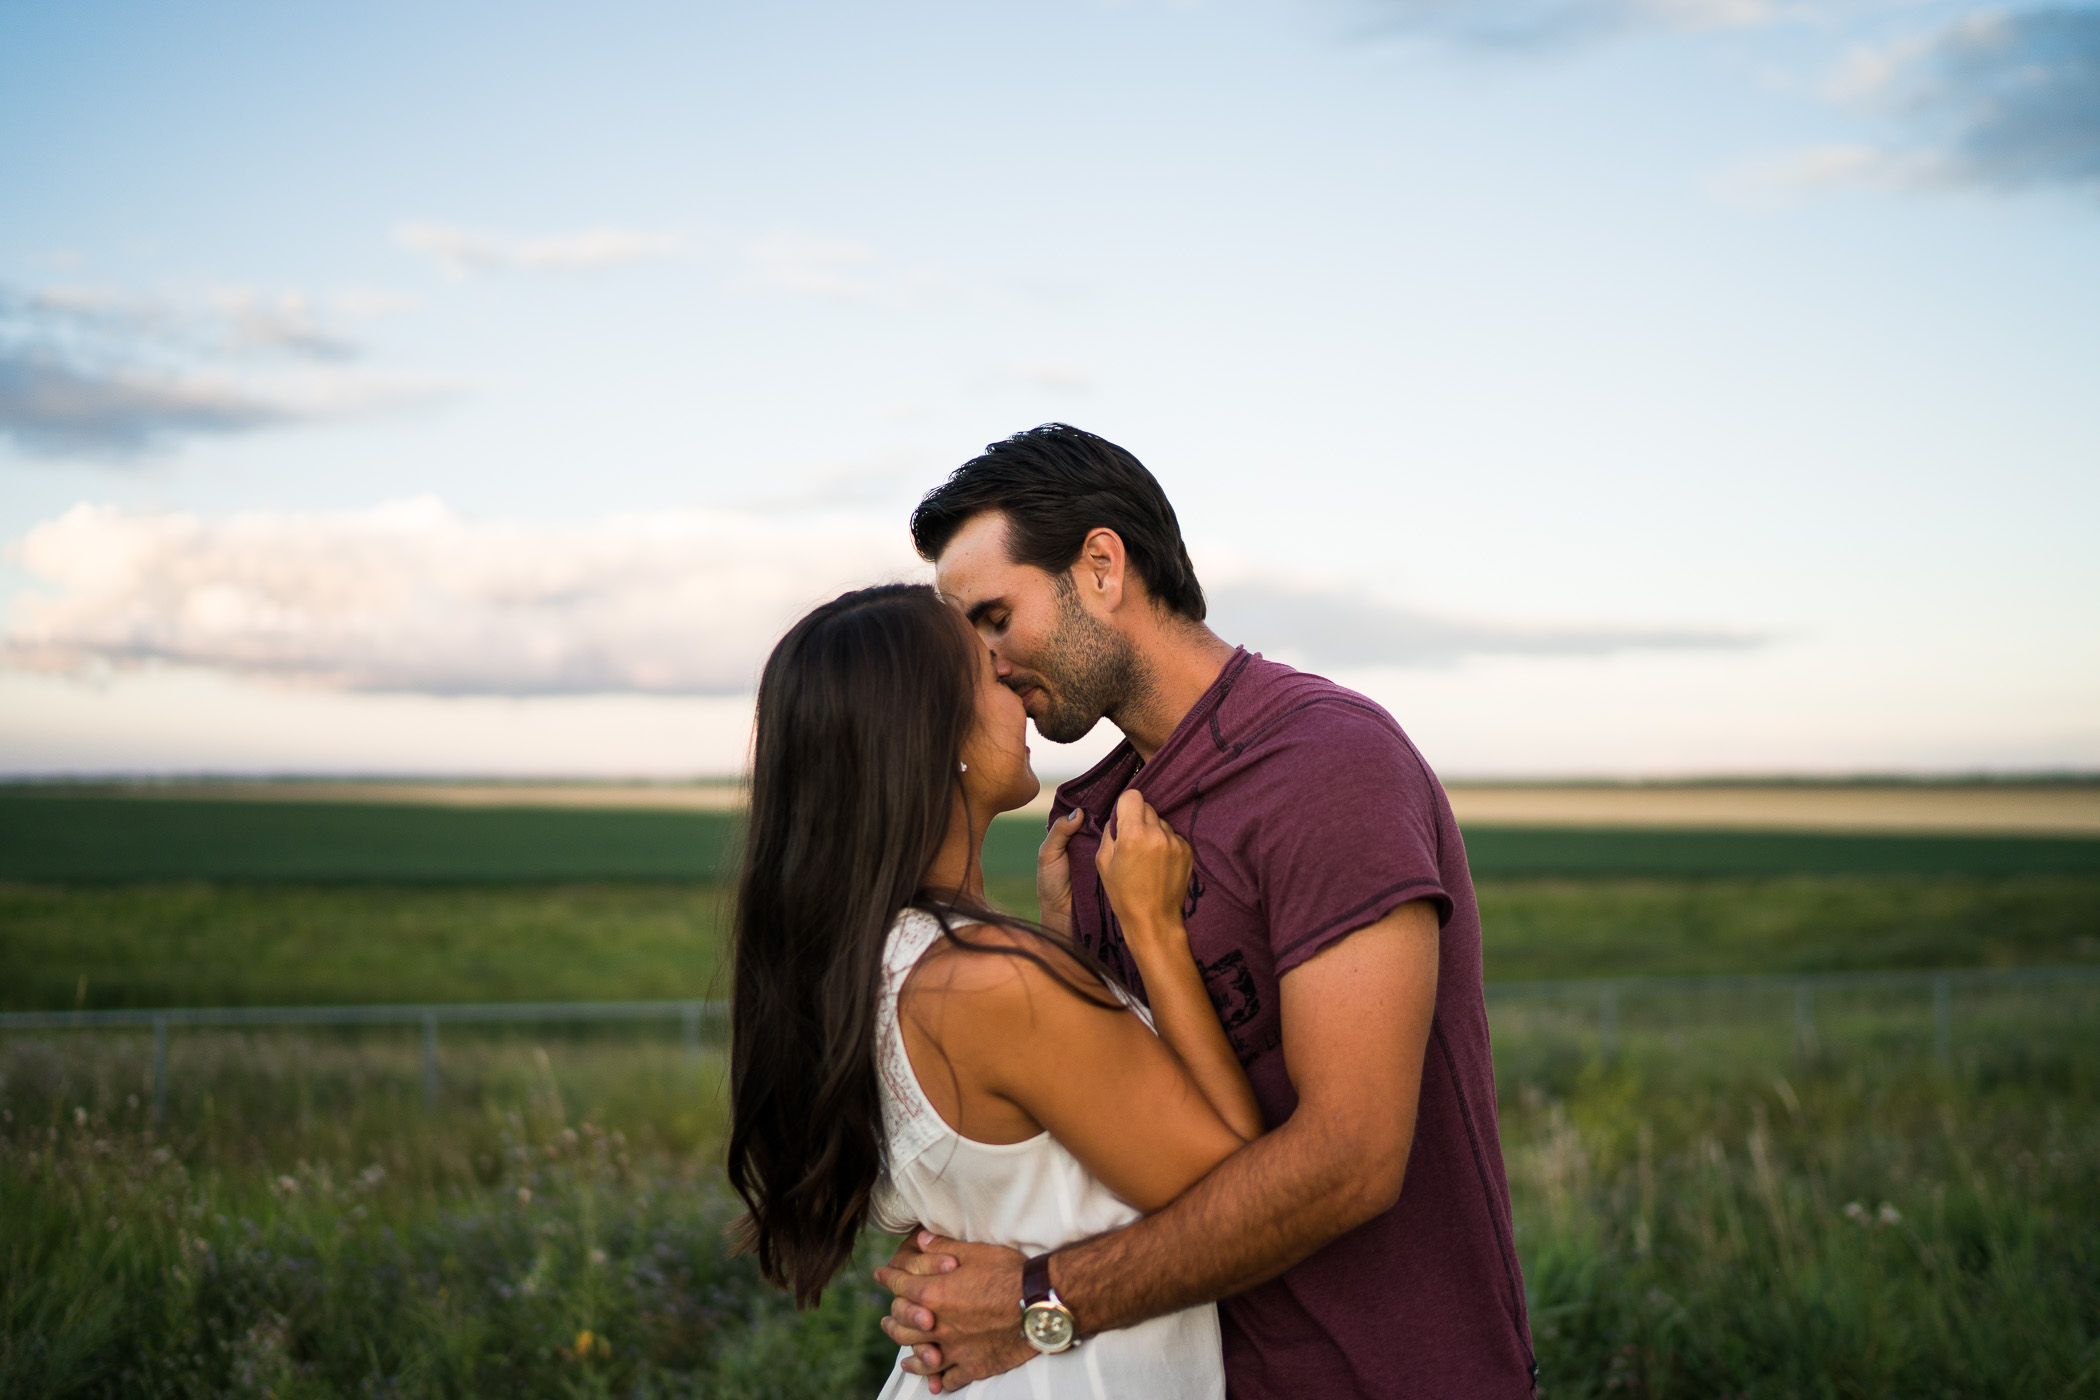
<point>1144,868</point>
<point>1005,1050</point>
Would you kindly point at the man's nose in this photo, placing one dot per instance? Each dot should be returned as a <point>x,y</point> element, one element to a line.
<point>1001,667</point>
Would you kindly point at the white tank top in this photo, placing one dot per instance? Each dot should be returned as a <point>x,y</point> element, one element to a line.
<point>1031,1196</point>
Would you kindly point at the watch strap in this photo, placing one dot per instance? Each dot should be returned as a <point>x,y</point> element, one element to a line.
<point>1035,1279</point>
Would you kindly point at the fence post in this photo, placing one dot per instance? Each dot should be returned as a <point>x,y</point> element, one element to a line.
<point>692,1030</point>
<point>430,1059</point>
<point>160,1069</point>
<point>1804,1019</point>
<point>1942,1020</point>
<point>1608,1022</point>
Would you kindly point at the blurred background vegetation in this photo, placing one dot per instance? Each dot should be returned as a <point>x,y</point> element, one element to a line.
<point>1708,1204</point>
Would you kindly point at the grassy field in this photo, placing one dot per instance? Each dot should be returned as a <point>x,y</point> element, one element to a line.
<point>1712,1213</point>
<point>1717,1209</point>
<point>132,945</point>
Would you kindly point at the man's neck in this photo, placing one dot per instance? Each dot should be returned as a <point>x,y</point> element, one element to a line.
<point>1180,662</point>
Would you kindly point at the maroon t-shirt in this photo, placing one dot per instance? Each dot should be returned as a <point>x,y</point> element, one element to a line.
<point>1312,816</point>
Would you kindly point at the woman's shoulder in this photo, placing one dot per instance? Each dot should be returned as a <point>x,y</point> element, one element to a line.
<point>995,972</point>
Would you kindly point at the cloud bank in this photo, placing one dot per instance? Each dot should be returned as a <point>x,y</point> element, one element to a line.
<point>1998,100</point>
<point>460,251</point>
<point>410,597</point>
<point>91,372</point>
<point>1534,24</point>
<point>1340,630</point>
<point>2015,95</point>
<point>2004,98</point>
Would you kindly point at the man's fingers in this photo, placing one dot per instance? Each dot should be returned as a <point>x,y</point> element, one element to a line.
<point>923,1361</point>
<point>905,1316</point>
<point>911,1287</point>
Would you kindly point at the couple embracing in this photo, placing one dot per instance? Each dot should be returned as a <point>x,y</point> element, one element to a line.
<point>1223,1121</point>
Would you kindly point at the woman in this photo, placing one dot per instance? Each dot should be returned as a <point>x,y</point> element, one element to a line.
<point>905,1055</point>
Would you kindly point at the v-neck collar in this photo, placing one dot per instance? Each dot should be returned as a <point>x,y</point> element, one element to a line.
<point>1123,768</point>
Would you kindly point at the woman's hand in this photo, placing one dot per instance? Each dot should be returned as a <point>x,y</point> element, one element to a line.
<point>1145,869</point>
<point>1053,874</point>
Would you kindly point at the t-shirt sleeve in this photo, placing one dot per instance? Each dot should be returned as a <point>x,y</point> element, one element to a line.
<point>1351,831</point>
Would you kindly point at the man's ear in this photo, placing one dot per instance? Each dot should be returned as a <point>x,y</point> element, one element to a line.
<point>1102,570</point>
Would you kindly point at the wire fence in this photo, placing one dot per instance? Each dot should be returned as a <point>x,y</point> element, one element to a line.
<point>1605,995</point>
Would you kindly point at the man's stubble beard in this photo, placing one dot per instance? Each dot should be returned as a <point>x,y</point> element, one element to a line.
<point>1089,670</point>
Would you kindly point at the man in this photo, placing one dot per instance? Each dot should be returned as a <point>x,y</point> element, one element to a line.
<point>1363,1245</point>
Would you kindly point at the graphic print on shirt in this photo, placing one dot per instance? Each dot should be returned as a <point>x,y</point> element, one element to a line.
<point>1237,999</point>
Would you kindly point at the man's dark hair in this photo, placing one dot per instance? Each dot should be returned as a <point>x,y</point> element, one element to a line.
<point>1054,484</point>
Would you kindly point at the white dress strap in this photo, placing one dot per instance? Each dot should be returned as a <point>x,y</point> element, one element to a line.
<point>909,1123</point>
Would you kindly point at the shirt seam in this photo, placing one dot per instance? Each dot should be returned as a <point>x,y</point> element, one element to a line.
<point>1415,883</point>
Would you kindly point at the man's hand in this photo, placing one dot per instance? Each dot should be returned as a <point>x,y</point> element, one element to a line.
<point>958,1306</point>
<point>1053,874</point>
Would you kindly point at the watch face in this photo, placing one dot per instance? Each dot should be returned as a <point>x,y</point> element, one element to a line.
<point>1047,1328</point>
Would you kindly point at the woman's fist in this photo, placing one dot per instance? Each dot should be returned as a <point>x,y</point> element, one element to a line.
<point>1144,869</point>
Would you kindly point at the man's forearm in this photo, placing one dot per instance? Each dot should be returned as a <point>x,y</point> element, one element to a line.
<point>1260,1211</point>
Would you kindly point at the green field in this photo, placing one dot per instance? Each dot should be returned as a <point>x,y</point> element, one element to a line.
<point>1718,1208</point>
<point>196,944</point>
<point>53,834</point>
<point>1713,1213</point>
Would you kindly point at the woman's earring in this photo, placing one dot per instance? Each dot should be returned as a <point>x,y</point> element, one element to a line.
<point>962,767</point>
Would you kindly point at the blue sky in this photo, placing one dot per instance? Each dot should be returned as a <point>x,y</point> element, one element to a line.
<point>1667,387</point>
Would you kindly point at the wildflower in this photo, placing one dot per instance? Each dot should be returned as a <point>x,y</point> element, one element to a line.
<point>597,1256</point>
<point>589,1344</point>
<point>524,1195</point>
<point>1889,1215</point>
<point>1855,1211</point>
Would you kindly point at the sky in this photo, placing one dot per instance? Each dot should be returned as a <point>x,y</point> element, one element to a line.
<point>1607,387</point>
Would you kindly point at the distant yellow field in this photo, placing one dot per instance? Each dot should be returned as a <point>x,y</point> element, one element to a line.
<point>2069,809</point>
<point>2043,809</point>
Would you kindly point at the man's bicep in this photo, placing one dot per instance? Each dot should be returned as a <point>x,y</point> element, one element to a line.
<point>1356,1019</point>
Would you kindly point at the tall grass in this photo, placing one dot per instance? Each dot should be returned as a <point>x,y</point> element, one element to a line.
<point>507,1244</point>
<point>1718,1211</point>
<point>1724,1212</point>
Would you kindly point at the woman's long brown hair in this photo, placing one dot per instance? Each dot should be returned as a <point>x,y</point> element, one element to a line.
<point>864,709</point>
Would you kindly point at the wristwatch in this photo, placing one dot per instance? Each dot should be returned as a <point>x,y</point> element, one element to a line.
<point>1046,1323</point>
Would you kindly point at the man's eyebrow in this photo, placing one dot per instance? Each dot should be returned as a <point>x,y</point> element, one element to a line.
<point>978,610</point>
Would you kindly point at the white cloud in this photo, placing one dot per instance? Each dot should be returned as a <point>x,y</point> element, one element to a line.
<point>94,371</point>
<point>465,250</point>
<point>836,269</point>
<point>825,267</point>
<point>1070,377</point>
<point>411,597</point>
<point>1788,175</point>
<point>1536,24</point>
<point>1997,99</point>
<point>1331,628</point>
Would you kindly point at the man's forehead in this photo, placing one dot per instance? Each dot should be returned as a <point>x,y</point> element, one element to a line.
<point>975,565</point>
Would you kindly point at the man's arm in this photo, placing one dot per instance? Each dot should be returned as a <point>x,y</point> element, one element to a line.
<point>1356,1023</point>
